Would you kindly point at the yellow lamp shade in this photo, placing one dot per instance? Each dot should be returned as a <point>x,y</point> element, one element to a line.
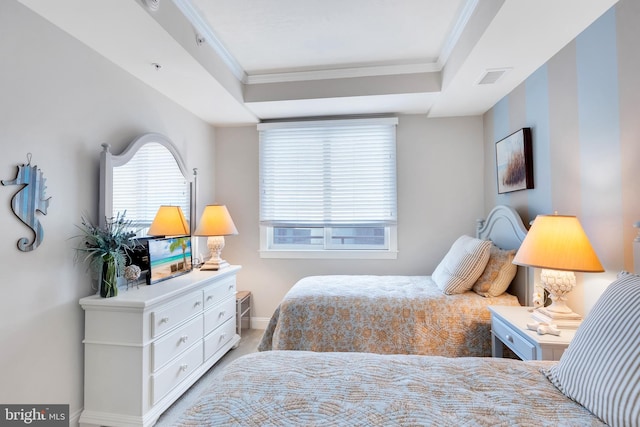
<point>215,221</point>
<point>558,242</point>
<point>169,221</point>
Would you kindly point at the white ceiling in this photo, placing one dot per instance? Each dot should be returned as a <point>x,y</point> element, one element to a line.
<point>234,62</point>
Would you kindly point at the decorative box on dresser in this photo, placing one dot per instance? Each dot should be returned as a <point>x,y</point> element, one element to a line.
<point>509,327</point>
<point>145,347</point>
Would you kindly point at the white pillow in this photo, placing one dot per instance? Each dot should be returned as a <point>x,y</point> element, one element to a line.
<point>601,367</point>
<point>498,274</point>
<point>462,265</point>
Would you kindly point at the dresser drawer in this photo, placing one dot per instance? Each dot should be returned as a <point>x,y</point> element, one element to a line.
<point>174,343</point>
<point>220,291</point>
<point>170,376</point>
<point>173,314</point>
<point>219,314</point>
<point>513,340</point>
<point>218,338</point>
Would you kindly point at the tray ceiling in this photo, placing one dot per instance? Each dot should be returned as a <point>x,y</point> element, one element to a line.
<point>234,62</point>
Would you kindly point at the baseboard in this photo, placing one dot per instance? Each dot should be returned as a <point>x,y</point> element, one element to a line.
<point>74,418</point>
<point>260,322</point>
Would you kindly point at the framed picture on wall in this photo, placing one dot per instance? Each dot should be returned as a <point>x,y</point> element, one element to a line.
<point>514,162</point>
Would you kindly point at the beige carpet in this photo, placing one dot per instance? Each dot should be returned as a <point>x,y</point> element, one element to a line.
<point>248,344</point>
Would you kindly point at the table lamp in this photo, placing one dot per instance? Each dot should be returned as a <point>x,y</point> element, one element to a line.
<point>215,223</point>
<point>559,246</point>
<point>169,221</point>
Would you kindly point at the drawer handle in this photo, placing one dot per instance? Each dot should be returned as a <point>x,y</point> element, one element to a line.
<point>222,336</point>
<point>198,303</point>
<point>184,338</point>
<point>184,367</point>
<point>164,320</point>
<point>509,338</point>
<point>210,297</point>
<point>222,313</point>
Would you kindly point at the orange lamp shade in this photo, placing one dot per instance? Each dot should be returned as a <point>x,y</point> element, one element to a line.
<point>169,221</point>
<point>558,242</point>
<point>215,221</point>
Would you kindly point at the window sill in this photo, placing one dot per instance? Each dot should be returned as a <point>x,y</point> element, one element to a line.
<point>336,254</point>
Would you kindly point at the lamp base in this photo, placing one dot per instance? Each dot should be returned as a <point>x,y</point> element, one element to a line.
<point>215,244</point>
<point>561,320</point>
<point>558,284</point>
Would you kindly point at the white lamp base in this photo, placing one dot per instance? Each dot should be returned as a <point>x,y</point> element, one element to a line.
<point>558,284</point>
<point>215,245</point>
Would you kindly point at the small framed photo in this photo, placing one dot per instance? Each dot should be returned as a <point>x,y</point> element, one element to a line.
<point>514,162</point>
<point>169,257</point>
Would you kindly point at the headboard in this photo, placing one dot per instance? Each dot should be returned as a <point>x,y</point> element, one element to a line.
<point>504,227</point>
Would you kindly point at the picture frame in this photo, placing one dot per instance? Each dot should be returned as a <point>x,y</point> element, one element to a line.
<point>514,162</point>
<point>169,257</point>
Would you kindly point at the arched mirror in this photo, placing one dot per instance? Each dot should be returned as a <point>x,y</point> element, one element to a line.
<point>147,174</point>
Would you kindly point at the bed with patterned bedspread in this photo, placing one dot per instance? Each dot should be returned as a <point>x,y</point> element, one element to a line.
<point>442,314</point>
<point>290,388</point>
<point>381,314</point>
<point>591,385</point>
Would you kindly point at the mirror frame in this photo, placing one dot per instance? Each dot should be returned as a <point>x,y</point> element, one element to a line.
<point>109,160</point>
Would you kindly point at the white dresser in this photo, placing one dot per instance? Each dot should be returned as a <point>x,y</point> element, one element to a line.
<point>147,346</point>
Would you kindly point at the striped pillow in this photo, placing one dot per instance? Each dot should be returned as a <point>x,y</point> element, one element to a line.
<point>498,274</point>
<point>601,368</point>
<point>462,265</point>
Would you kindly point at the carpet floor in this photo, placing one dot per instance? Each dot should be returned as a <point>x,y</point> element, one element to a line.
<point>248,344</point>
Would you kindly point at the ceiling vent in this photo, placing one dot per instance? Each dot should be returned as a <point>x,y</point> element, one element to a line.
<point>152,5</point>
<point>491,76</point>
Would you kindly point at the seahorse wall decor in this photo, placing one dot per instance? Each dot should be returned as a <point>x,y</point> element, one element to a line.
<point>29,200</point>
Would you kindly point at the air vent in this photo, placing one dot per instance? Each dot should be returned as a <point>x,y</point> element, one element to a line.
<point>152,5</point>
<point>492,76</point>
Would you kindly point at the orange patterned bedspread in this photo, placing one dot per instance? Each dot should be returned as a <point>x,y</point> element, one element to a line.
<point>381,314</point>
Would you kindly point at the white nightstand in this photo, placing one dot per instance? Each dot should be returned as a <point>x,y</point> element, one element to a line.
<point>509,327</point>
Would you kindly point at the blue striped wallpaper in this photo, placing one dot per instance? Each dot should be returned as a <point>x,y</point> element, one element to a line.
<point>537,117</point>
<point>578,160</point>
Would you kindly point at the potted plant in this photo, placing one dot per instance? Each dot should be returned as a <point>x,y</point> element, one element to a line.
<point>104,248</point>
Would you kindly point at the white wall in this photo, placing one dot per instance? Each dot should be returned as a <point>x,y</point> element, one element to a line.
<point>440,195</point>
<point>59,101</point>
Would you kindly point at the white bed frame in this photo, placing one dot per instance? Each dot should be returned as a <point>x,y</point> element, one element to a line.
<point>504,227</point>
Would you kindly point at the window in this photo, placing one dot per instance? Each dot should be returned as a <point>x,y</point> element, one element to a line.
<point>328,187</point>
<point>149,179</point>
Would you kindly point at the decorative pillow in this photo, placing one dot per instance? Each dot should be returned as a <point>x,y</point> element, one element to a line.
<point>601,367</point>
<point>462,265</point>
<point>498,274</point>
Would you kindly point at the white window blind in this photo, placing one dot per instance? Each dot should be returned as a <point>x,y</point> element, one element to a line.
<point>150,179</point>
<point>328,173</point>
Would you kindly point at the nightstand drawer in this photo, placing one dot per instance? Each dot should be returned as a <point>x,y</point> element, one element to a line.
<point>516,342</point>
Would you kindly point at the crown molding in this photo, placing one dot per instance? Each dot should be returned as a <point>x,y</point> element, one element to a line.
<point>342,73</point>
<point>456,32</point>
<point>205,31</point>
<point>203,28</point>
